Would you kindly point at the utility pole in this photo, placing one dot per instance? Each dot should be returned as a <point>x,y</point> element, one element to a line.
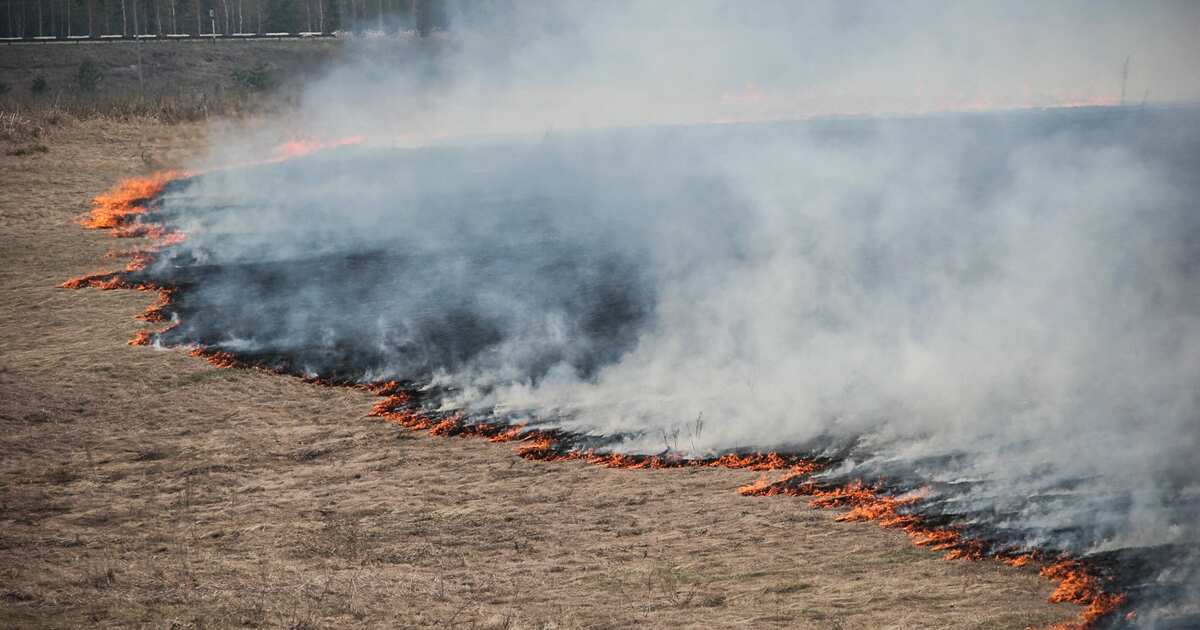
<point>212,20</point>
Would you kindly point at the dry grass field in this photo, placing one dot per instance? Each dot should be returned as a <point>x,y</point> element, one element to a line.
<point>144,488</point>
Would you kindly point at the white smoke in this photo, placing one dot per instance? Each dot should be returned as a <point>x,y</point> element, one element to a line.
<point>1010,301</point>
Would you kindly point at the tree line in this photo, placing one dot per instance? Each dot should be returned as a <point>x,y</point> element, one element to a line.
<point>126,18</point>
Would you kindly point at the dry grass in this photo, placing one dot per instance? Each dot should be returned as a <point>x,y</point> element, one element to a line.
<point>146,488</point>
<point>171,108</point>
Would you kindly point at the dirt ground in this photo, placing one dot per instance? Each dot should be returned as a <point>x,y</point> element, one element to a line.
<point>144,488</point>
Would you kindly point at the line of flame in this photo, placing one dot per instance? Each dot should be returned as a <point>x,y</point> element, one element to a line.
<point>121,212</point>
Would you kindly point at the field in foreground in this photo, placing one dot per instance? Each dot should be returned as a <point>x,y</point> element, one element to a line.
<point>146,488</point>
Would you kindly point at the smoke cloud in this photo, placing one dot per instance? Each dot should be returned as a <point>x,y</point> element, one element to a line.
<point>546,223</point>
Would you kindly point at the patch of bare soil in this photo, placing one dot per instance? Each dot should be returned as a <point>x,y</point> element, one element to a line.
<point>146,488</point>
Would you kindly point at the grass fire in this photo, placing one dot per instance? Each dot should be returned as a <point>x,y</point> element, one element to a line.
<point>436,366</point>
<point>922,313</point>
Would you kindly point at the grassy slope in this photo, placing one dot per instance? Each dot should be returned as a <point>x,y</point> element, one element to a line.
<point>170,69</point>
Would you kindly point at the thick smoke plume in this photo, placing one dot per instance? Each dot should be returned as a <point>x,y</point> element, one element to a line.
<point>1003,306</point>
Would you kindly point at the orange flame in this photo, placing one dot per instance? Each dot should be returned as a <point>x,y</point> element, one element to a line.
<point>106,282</point>
<point>508,434</point>
<point>217,358</point>
<point>301,147</point>
<point>120,210</point>
<point>119,206</point>
<point>156,313</point>
<point>142,338</point>
<point>117,211</point>
<point>399,406</point>
<point>1078,585</point>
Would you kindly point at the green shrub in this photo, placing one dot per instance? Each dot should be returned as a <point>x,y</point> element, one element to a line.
<point>88,76</point>
<point>3,88</point>
<point>39,85</point>
<point>256,78</point>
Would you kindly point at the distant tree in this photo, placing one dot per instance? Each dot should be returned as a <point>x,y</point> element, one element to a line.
<point>104,13</point>
<point>91,17</point>
<point>430,16</point>
<point>96,18</point>
<point>424,10</point>
<point>333,16</point>
<point>283,16</point>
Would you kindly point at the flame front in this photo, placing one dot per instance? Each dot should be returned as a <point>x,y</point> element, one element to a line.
<point>1078,585</point>
<point>121,211</point>
<point>117,208</point>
